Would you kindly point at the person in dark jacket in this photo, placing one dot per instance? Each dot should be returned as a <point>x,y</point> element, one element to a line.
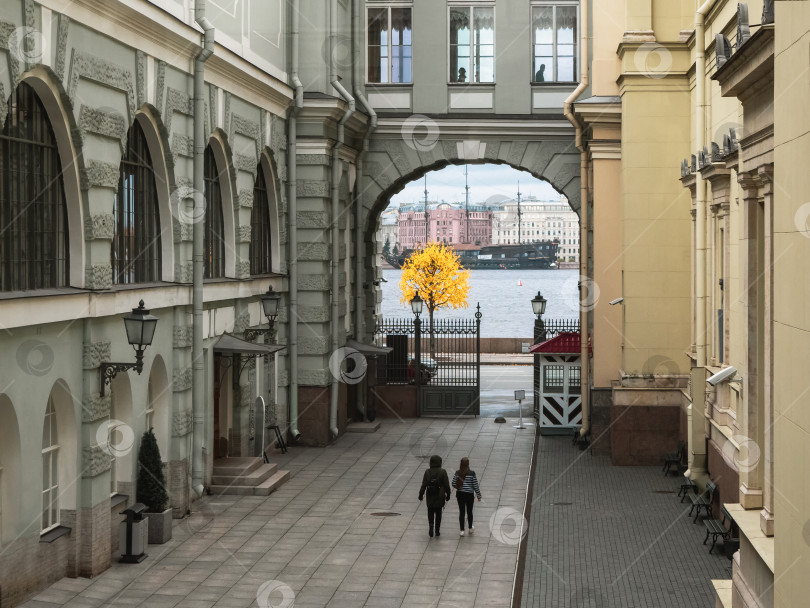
<point>466,484</point>
<point>436,485</point>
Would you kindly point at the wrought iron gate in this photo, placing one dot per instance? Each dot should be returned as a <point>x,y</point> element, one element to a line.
<point>448,380</point>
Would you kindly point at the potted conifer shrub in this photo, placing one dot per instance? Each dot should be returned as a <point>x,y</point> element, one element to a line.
<point>151,490</point>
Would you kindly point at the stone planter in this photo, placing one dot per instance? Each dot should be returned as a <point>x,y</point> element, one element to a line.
<point>160,527</point>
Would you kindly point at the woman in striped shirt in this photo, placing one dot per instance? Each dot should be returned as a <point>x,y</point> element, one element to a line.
<point>466,484</point>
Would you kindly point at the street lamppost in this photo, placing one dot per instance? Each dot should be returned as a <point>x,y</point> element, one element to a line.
<point>538,307</point>
<point>416,307</point>
<point>270,302</point>
<point>140,327</point>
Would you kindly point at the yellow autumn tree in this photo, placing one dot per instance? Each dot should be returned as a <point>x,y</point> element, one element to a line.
<point>436,274</point>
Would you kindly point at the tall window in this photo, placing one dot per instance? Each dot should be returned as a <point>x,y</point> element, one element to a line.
<point>260,260</point>
<point>33,212</point>
<point>135,251</point>
<point>214,241</point>
<point>389,44</point>
<point>50,470</point>
<point>472,44</point>
<point>554,31</point>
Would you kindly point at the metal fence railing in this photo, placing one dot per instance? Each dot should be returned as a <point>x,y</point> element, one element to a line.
<point>448,351</point>
<point>555,327</point>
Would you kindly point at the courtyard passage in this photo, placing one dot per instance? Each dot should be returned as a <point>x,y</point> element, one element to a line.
<point>602,536</point>
<point>321,540</point>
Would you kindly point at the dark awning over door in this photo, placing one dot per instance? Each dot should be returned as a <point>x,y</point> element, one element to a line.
<point>229,344</point>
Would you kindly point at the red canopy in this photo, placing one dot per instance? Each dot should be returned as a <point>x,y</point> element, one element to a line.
<point>567,342</point>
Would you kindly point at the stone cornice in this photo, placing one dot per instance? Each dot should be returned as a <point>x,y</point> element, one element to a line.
<point>750,69</point>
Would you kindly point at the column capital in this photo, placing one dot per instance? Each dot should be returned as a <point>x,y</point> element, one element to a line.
<point>750,185</point>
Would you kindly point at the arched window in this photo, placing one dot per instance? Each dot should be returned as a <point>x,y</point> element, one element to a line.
<point>50,469</point>
<point>260,257</point>
<point>135,251</point>
<point>214,242</point>
<point>33,212</point>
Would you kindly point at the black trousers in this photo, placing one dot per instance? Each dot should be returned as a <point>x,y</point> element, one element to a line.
<point>435,518</point>
<point>465,502</point>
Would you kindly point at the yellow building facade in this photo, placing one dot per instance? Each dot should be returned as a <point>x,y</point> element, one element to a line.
<point>710,269</point>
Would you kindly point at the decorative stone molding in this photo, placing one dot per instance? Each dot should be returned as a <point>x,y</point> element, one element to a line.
<point>99,226</point>
<point>315,252</point>
<point>243,269</point>
<point>182,145</point>
<point>182,336</point>
<point>6,29</point>
<point>61,46</point>
<point>243,234</point>
<point>241,323</point>
<point>3,105</point>
<point>95,461</point>
<point>176,101</point>
<point>95,407</point>
<point>278,134</point>
<point>99,174</point>
<point>313,159</point>
<point>103,123</point>
<point>140,77</point>
<point>318,345</point>
<point>181,379</point>
<point>95,353</point>
<point>313,188</point>
<point>245,162</point>
<point>98,276</point>
<point>183,273</point>
<point>181,231</point>
<point>248,128</point>
<point>313,219</point>
<point>245,198</point>
<point>87,66</point>
<point>160,83</point>
<point>227,112</point>
<point>313,282</point>
<point>182,423</point>
<point>212,104</point>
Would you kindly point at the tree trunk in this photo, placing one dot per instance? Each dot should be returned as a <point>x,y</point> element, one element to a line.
<point>432,336</point>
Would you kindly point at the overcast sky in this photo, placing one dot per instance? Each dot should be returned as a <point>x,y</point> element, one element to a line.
<point>485,181</point>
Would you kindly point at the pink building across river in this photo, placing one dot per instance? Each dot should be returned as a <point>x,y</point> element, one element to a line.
<point>446,224</point>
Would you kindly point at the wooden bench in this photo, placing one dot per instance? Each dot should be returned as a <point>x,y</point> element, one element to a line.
<point>674,459</point>
<point>717,527</point>
<point>687,485</point>
<point>703,501</point>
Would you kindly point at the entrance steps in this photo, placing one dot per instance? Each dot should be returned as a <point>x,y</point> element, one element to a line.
<point>246,477</point>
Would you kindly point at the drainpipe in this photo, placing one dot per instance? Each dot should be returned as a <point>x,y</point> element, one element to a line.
<point>334,79</point>
<point>695,432</point>
<point>700,185</point>
<point>197,372</point>
<point>584,251</point>
<point>358,232</point>
<point>292,219</point>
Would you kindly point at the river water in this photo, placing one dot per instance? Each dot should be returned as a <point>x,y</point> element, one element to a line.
<point>505,297</point>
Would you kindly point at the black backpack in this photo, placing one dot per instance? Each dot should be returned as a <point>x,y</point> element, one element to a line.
<point>433,486</point>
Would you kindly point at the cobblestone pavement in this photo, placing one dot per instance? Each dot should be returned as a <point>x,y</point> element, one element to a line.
<point>317,542</point>
<point>602,536</point>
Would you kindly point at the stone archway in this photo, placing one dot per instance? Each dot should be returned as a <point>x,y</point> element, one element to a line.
<point>403,150</point>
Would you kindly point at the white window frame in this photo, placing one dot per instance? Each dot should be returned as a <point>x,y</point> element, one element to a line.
<point>389,6</point>
<point>52,453</point>
<point>577,41</point>
<point>472,4</point>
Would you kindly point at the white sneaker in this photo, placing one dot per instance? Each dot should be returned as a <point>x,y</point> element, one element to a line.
<point>472,529</point>
<point>461,533</point>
